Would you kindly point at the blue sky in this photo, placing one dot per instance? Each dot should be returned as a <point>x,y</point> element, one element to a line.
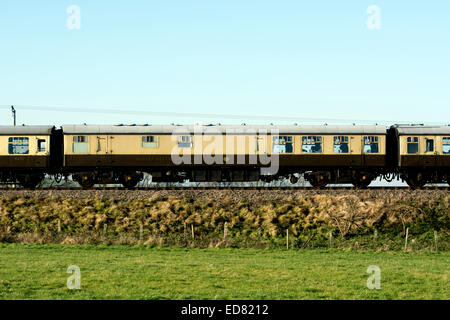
<point>286,58</point>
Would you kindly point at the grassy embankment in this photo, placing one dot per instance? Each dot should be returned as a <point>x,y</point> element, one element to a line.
<point>373,221</point>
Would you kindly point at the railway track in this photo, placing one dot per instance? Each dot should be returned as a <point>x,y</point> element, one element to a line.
<point>221,195</point>
<point>223,188</point>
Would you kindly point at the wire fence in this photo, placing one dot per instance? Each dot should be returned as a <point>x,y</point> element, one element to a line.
<point>373,242</point>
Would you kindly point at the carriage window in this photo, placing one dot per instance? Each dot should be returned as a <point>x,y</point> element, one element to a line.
<point>371,144</point>
<point>446,145</point>
<point>282,144</point>
<point>41,145</point>
<point>341,144</point>
<point>18,146</point>
<point>185,142</point>
<point>80,144</point>
<point>312,144</point>
<point>430,145</point>
<point>412,144</point>
<point>150,142</point>
<point>80,139</point>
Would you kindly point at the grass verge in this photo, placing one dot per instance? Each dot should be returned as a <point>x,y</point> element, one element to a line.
<point>143,272</point>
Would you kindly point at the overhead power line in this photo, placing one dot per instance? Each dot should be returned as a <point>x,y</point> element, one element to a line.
<point>172,115</point>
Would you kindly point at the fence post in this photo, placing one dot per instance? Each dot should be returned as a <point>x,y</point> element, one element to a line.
<point>436,240</point>
<point>287,239</point>
<point>225,231</point>
<point>141,232</point>
<point>330,235</point>
<point>192,230</point>
<point>185,232</point>
<point>406,239</point>
<point>105,228</point>
<point>59,226</point>
<point>375,238</point>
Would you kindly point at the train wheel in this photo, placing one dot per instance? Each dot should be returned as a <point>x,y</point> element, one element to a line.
<point>318,182</point>
<point>362,181</point>
<point>130,184</point>
<point>30,181</point>
<point>130,181</point>
<point>293,179</point>
<point>86,181</point>
<point>86,184</point>
<point>415,180</point>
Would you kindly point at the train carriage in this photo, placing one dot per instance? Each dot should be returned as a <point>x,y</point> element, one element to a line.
<point>25,154</point>
<point>422,154</point>
<point>328,154</point>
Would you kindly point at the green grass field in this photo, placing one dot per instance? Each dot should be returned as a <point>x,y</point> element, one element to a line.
<point>139,272</point>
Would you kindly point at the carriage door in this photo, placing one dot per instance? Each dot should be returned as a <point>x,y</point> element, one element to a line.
<point>430,152</point>
<point>348,145</point>
<point>102,153</point>
<point>111,149</point>
<point>260,146</point>
<point>370,148</point>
